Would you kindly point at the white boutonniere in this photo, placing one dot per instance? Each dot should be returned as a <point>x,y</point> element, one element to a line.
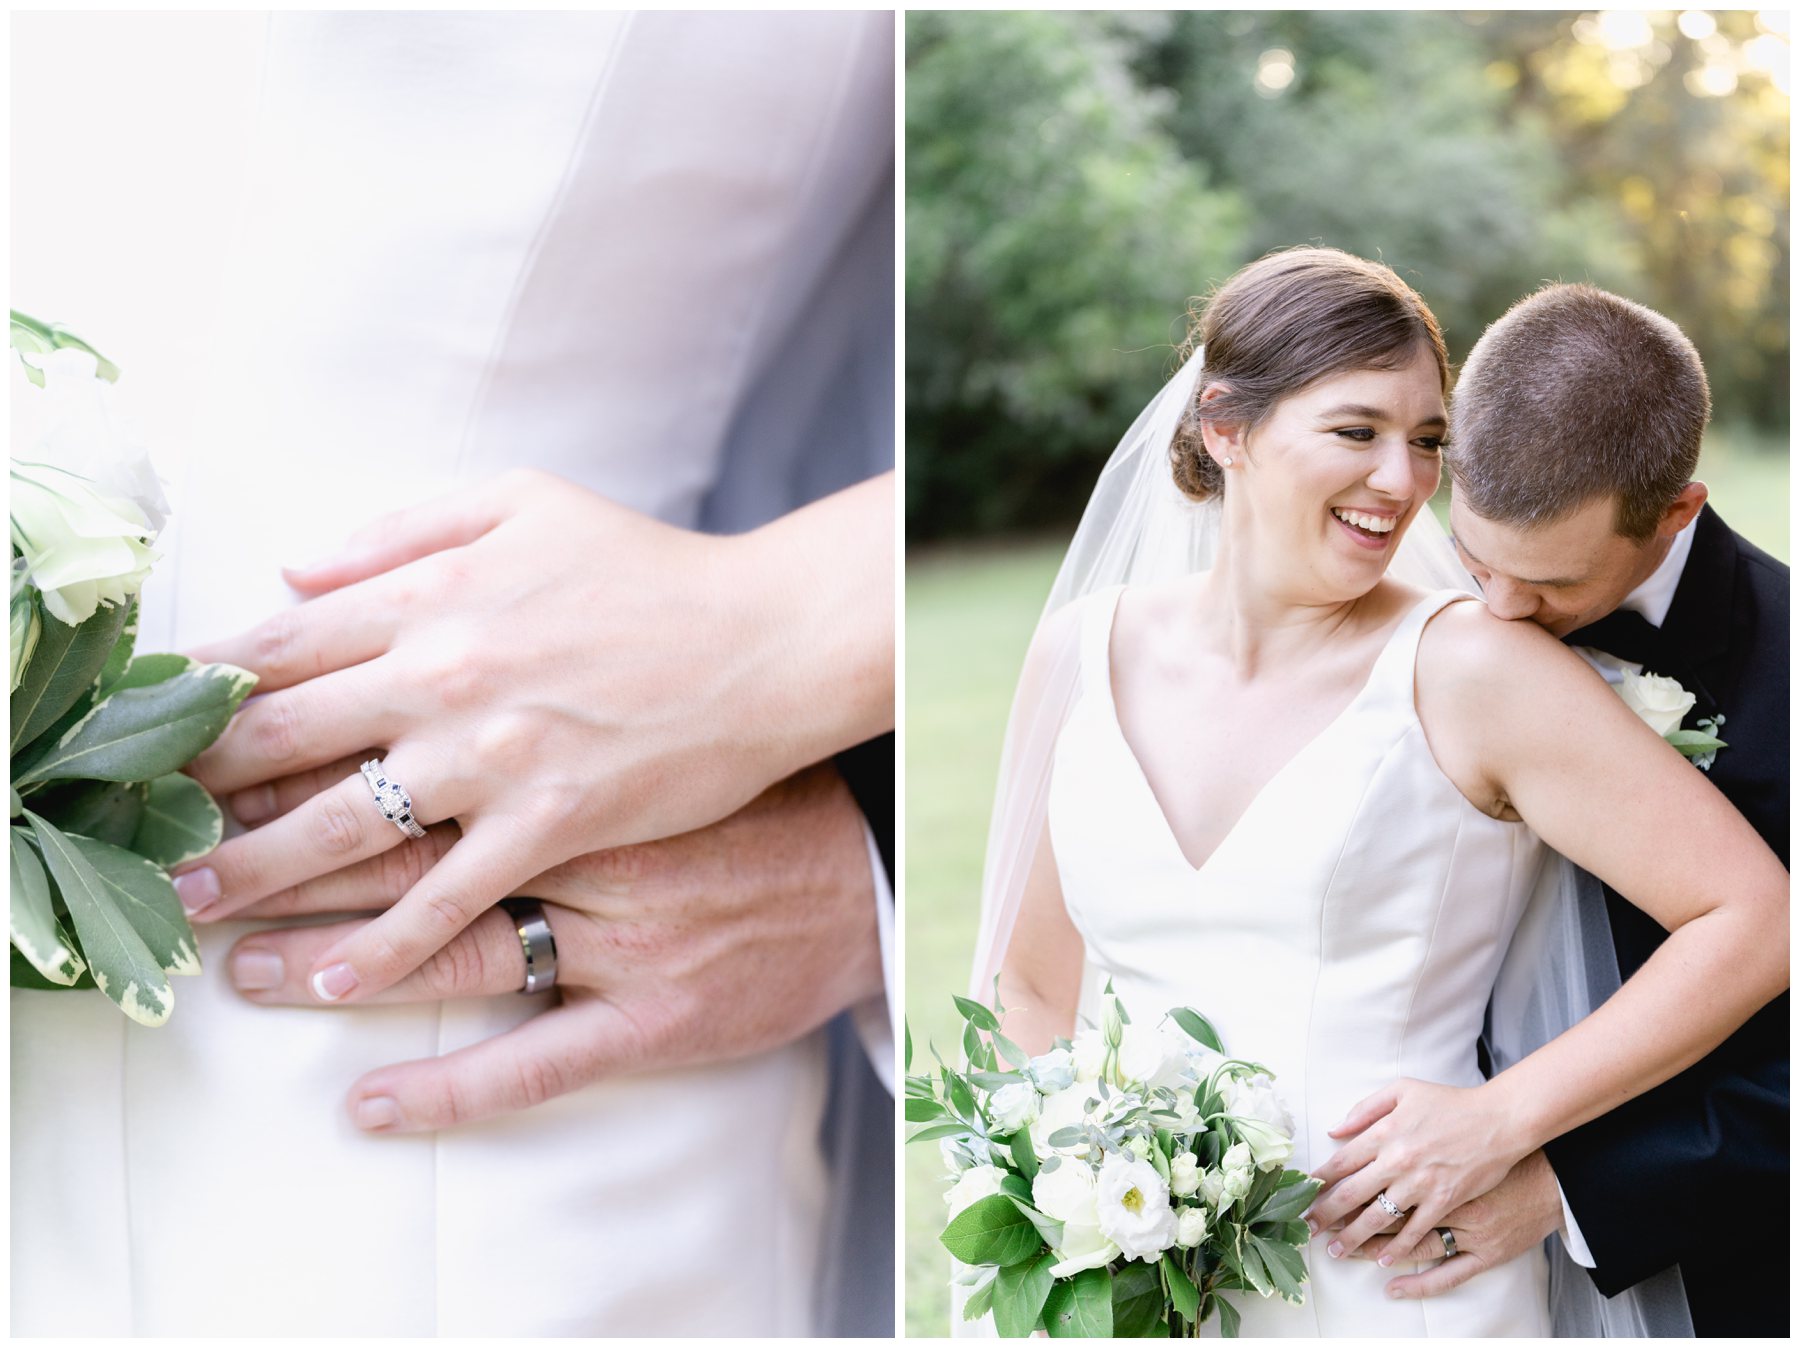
<point>1661,703</point>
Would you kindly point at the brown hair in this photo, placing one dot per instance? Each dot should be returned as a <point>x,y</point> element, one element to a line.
<point>1575,394</point>
<point>1285,322</point>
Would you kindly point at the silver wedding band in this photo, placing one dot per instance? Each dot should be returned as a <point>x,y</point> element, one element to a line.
<point>537,941</point>
<point>391,799</point>
<point>1386,1204</point>
<point>1446,1235</point>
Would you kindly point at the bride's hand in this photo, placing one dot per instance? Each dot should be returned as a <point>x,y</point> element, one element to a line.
<point>722,942</point>
<point>556,673</point>
<point>1430,1148</point>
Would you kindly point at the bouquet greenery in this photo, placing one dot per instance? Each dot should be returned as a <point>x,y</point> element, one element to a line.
<point>1119,1185</point>
<point>100,808</point>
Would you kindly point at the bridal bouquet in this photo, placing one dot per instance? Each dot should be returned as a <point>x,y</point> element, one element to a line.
<point>1120,1184</point>
<point>99,732</point>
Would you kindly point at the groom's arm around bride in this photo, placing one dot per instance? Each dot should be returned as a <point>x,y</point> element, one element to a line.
<point>1616,389</point>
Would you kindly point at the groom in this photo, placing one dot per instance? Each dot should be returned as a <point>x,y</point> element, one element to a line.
<point>1574,439</point>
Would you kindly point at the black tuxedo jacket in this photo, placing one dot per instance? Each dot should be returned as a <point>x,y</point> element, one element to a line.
<point>1695,1172</point>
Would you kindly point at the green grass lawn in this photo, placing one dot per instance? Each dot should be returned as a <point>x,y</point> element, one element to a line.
<point>969,613</point>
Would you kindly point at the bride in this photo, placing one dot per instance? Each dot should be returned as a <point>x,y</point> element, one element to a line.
<point>1267,779</point>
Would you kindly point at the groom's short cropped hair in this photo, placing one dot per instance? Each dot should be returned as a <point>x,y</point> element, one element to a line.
<point>1576,394</point>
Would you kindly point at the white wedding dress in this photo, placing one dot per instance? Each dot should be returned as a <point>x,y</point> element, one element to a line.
<point>644,252</point>
<point>1347,931</point>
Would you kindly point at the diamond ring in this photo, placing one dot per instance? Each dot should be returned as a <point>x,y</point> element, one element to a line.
<point>537,940</point>
<point>391,799</point>
<point>1386,1204</point>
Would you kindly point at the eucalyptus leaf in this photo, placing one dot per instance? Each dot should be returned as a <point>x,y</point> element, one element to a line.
<point>1019,1295</point>
<point>141,733</point>
<point>1080,1307</point>
<point>37,937</point>
<point>142,892</point>
<point>122,964</point>
<point>1137,1300</point>
<point>64,665</point>
<point>992,1230</point>
<point>179,822</point>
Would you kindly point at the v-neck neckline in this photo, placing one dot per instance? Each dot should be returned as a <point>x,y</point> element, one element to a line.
<point>1156,805</point>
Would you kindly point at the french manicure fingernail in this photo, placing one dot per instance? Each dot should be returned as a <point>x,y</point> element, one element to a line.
<point>1335,1249</point>
<point>377,1112</point>
<point>1312,1227</point>
<point>257,970</point>
<point>254,804</point>
<point>198,890</point>
<point>1385,1260</point>
<point>1395,1293</point>
<point>330,984</point>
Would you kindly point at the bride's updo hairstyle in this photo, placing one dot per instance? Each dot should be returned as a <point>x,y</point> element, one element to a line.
<point>1285,322</point>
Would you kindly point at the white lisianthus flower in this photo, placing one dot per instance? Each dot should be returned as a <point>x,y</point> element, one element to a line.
<point>1660,702</point>
<point>1184,1174</point>
<point>71,422</point>
<point>1012,1107</point>
<point>1065,1109</point>
<point>1134,1208</point>
<point>1190,1227</point>
<point>81,548</point>
<point>1053,1071</point>
<point>975,1184</point>
<point>1156,1055</point>
<point>1089,1054</point>
<point>1068,1194</point>
<point>1269,1147</point>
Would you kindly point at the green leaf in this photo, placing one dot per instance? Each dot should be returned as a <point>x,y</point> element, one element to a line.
<point>907,1067</point>
<point>975,1013</point>
<point>923,1111</point>
<point>1024,1157</point>
<point>1015,1055</point>
<point>145,671</point>
<point>1080,1307</point>
<point>109,811</point>
<point>1198,1027</point>
<point>992,1231</point>
<point>63,667</point>
<point>120,655</point>
<point>141,733</point>
<point>1137,1300</point>
<point>24,976</point>
<point>1293,1197</point>
<point>1285,1265</point>
<point>1229,1319</point>
<point>1693,742</point>
<point>1019,1295</point>
<point>1250,1261</point>
<point>180,821</point>
<point>980,1301</point>
<point>1048,1228</point>
<point>1182,1293</point>
<point>141,891</point>
<point>937,1130</point>
<point>36,934</point>
<point>122,964</point>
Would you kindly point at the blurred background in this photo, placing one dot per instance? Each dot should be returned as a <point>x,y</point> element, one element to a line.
<point>1074,179</point>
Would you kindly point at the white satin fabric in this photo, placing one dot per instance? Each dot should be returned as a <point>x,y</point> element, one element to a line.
<point>1347,931</point>
<point>585,242</point>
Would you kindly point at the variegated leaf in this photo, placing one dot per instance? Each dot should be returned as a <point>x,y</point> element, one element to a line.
<point>180,822</point>
<point>35,932</point>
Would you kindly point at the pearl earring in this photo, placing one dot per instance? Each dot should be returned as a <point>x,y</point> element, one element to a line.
<point>1225,462</point>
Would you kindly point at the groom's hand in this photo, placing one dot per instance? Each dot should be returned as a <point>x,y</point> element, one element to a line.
<point>1500,1225</point>
<point>709,946</point>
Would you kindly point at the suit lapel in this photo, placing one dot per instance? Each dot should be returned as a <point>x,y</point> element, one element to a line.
<point>1697,630</point>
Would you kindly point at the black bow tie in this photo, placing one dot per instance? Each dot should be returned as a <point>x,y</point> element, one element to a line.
<point>1628,635</point>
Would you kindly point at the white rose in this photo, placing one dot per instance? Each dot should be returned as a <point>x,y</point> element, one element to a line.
<point>1661,702</point>
<point>1068,1194</point>
<point>1012,1107</point>
<point>1269,1147</point>
<point>1139,1147</point>
<point>1065,1109</point>
<point>1255,1098</point>
<point>1089,1054</point>
<point>1184,1174</point>
<point>1190,1227</point>
<point>1237,1184</point>
<point>1237,1157</point>
<point>1212,1187</point>
<point>1053,1071</point>
<point>1154,1056</point>
<point>81,548</point>
<point>72,422</point>
<point>975,1184</point>
<point>1134,1208</point>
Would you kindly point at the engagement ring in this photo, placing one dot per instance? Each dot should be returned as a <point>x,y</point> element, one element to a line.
<point>391,799</point>
<point>1386,1204</point>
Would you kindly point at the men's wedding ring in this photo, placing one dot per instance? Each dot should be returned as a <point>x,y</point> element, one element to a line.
<point>1448,1236</point>
<point>1386,1204</point>
<point>391,799</point>
<point>537,941</point>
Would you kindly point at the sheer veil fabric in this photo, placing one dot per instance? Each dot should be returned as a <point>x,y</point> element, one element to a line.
<point>1139,528</point>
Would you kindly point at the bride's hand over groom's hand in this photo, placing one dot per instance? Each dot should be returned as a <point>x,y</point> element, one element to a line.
<point>556,673</point>
<point>1429,1148</point>
<point>704,947</point>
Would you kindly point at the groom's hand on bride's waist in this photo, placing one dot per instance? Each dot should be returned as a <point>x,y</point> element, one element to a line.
<point>1502,1224</point>
<point>715,944</point>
